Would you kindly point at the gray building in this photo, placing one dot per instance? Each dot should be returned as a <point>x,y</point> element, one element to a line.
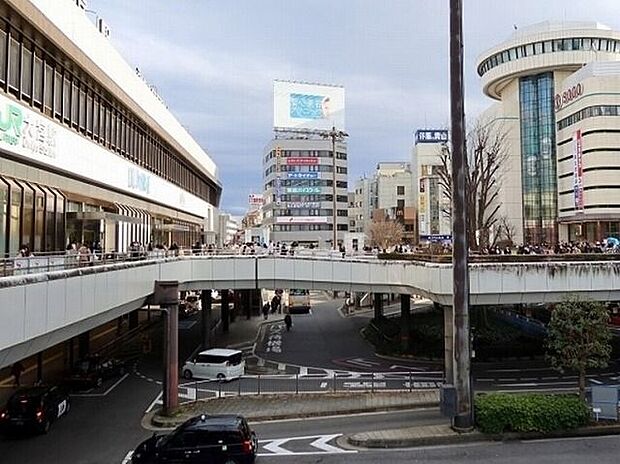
<point>298,190</point>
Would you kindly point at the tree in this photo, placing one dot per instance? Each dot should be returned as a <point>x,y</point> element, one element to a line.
<point>487,151</point>
<point>386,232</point>
<point>578,337</point>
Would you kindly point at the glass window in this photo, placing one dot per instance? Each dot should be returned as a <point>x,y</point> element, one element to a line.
<point>26,71</point>
<point>28,216</point>
<point>50,221</point>
<point>39,220</point>
<point>37,93</point>
<point>89,113</point>
<point>4,205</point>
<point>82,105</point>
<point>15,218</point>
<point>75,100</point>
<point>2,64</point>
<point>538,48</point>
<point>66,98</point>
<point>14,64</point>
<point>60,221</point>
<point>400,190</point>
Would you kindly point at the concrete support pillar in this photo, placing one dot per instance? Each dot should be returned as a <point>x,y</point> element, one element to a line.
<point>133,320</point>
<point>225,310</point>
<point>448,324</point>
<point>171,359</point>
<point>205,318</point>
<point>378,305</point>
<point>83,344</point>
<point>405,321</point>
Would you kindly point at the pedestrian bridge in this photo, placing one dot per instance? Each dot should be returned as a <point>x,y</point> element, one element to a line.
<point>42,309</point>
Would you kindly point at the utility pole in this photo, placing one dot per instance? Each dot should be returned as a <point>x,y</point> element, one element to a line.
<point>335,135</point>
<point>460,298</point>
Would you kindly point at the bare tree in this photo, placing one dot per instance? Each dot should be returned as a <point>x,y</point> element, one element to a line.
<point>487,151</point>
<point>504,231</point>
<point>385,233</point>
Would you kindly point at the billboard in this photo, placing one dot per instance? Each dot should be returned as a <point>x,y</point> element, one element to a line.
<point>303,190</point>
<point>255,199</point>
<point>431,136</point>
<point>302,175</point>
<point>303,204</point>
<point>302,161</point>
<point>578,170</point>
<point>302,220</point>
<point>310,107</point>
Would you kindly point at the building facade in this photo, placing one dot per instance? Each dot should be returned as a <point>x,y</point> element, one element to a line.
<point>433,205</point>
<point>532,76</point>
<point>362,201</point>
<point>298,190</point>
<point>89,153</point>
<point>228,227</point>
<point>395,195</point>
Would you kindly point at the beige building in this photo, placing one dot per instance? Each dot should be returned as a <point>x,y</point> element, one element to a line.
<point>433,221</point>
<point>534,76</point>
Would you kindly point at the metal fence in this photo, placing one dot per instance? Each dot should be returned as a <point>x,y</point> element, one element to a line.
<point>195,390</point>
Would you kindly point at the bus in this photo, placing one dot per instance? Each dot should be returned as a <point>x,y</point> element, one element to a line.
<point>298,300</point>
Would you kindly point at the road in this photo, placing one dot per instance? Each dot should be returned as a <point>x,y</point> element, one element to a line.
<point>325,341</point>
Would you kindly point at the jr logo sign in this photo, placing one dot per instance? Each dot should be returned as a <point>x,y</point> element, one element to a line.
<point>11,120</point>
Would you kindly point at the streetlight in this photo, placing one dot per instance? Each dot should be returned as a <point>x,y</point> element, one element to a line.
<point>335,135</point>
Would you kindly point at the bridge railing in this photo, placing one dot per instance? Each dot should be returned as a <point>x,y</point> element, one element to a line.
<point>333,382</point>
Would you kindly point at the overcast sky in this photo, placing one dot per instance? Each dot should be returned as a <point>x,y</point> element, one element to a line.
<point>214,62</point>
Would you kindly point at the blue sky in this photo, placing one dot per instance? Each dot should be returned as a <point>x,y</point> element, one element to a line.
<point>214,62</point>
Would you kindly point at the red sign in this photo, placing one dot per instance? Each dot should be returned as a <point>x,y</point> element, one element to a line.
<point>305,161</point>
<point>568,96</point>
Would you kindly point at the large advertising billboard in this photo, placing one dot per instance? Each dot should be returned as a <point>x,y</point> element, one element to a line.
<point>578,170</point>
<point>311,107</point>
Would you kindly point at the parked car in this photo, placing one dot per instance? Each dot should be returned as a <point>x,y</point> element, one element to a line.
<point>216,363</point>
<point>216,439</point>
<point>92,371</point>
<point>34,409</point>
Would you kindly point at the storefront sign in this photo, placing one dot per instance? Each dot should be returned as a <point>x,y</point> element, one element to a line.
<point>278,190</point>
<point>302,161</point>
<point>303,175</point>
<point>431,136</point>
<point>302,220</point>
<point>563,99</point>
<point>303,204</point>
<point>255,200</point>
<point>138,180</point>
<point>578,170</point>
<point>30,136</point>
<point>303,190</point>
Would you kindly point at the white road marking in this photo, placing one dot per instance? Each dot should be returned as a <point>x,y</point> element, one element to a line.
<point>364,385</point>
<point>157,400</point>
<point>281,366</point>
<point>303,371</point>
<point>598,382</point>
<point>319,442</point>
<point>323,385</point>
<point>407,368</point>
<point>127,458</point>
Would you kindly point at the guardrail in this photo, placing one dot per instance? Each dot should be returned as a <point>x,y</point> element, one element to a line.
<point>196,390</point>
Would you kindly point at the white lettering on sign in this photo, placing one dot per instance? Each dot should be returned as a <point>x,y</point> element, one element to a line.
<point>564,98</point>
<point>138,180</point>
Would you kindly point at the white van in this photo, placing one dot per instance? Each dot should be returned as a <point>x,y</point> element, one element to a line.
<point>216,363</point>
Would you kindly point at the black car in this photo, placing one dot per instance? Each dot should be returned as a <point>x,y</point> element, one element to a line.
<point>217,439</point>
<point>92,371</point>
<point>34,409</point>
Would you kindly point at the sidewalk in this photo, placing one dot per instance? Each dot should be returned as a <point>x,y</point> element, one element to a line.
<point>291,406</point>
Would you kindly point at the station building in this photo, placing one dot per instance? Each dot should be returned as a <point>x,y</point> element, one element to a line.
<point>88,151</point>
<point>557,87</point>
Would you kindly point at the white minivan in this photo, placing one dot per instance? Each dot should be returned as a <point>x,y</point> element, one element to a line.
<point>216,363</point>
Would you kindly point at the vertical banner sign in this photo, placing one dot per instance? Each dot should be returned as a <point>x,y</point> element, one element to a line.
<point>578,170</point>
<point>278,181</point>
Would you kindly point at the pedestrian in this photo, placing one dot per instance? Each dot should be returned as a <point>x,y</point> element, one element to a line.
<point>266,310</point>
<point>276,304</point>
<point>16,372</point>
<point>84,255</point>
<point>288,321</point>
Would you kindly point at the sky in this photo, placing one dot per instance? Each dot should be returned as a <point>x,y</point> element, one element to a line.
<point>214,62</point>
